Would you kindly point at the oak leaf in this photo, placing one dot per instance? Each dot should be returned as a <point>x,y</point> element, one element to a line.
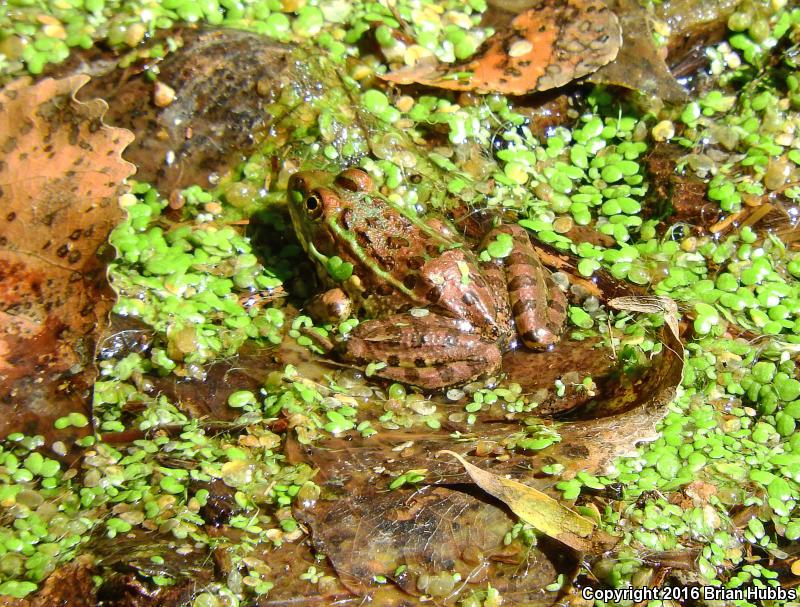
<point>61,175</point>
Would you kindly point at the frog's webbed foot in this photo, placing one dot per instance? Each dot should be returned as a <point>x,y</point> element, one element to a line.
<point>332,306</point>
<point>431,352</point>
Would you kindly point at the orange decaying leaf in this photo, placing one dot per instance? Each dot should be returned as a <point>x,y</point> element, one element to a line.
<point>60,178</point>
<point>547,46</point>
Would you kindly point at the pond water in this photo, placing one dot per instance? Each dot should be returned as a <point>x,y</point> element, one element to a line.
<point>194,432</point>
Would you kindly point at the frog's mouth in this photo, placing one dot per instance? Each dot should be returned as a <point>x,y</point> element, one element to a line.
<point>315,254</point>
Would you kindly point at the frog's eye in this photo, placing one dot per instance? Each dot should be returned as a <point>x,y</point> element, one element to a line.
<point>355,180</point>
<point>313,204</point>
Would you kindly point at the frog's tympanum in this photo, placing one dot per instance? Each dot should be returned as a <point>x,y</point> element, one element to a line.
<point>438,314</point>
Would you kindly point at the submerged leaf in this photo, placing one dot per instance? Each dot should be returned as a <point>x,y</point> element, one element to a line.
<point>416,537</point>
<point>541,511</point>
<point>60,180</point>
<point>545,47</point>
<point>224,82</point>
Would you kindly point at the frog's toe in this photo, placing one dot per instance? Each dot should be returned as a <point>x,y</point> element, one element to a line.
<point>542,328</point>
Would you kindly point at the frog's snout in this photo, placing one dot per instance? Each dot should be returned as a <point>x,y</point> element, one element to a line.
<point>299,182</point>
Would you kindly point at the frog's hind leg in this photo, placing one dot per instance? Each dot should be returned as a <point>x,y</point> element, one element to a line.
<point>430,352</point>
<point>538,306</point>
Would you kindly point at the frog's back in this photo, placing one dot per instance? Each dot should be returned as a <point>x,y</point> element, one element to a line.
<point>428,265</point>
<point>390,252</point>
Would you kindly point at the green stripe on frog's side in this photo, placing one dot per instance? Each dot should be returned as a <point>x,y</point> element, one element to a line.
<point>400,261</point>
<point>372,233</point>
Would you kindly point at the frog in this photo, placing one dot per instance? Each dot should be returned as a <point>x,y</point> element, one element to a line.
<point>438,314</point>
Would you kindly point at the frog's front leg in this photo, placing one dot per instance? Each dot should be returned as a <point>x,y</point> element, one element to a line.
<point>538,305</point>
<point>430,352</point>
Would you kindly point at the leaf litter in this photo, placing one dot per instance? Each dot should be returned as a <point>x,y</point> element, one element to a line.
<point>60,181</point>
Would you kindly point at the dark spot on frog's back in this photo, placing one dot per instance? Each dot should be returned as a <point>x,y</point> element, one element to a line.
<point>521,258</point>
<point>575,451</point>
<point>416,263</point>
<point>384,289</point>
<point>523,306</point>
<point>362,238</point>
<point>397,242</point>
<point>346,219</point>
<point>530,337</point>
<point>521,281</point>
<point>434,294</point>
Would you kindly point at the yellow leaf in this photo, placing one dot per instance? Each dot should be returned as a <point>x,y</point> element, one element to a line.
<point>541,511</point>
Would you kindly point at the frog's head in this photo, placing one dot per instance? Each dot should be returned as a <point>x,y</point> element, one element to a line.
<point>316,202</point>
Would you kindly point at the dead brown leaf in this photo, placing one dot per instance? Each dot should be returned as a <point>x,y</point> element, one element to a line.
<point>639,65</point>
<point>70,584</point>
<point>60,178</point>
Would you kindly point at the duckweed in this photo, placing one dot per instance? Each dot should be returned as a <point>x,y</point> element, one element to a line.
<point>732,424</point>
<point>75,419</point>
<point>163,278</point>
<point>339,269</point>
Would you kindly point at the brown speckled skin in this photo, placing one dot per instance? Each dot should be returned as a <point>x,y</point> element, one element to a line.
<point>476,309</point>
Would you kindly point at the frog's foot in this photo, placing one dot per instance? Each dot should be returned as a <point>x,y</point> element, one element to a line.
<point>332,306</point>
<point>430,352</point>
<point>538,305</point>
